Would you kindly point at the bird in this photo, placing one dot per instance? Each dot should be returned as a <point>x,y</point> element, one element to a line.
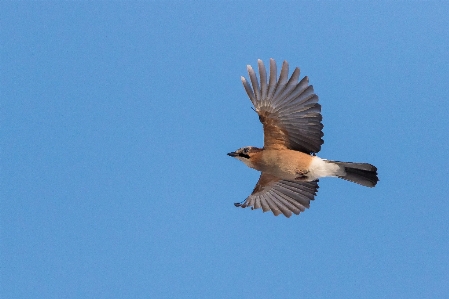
<point>289,111</point>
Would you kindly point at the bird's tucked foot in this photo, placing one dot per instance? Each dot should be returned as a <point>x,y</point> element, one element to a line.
<point>302,175</point>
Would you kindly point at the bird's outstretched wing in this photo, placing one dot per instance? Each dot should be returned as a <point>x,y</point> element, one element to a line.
<point>288,109</point>
<point>280,196</point>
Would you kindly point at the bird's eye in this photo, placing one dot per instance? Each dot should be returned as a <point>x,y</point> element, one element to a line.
<point>245,150</point>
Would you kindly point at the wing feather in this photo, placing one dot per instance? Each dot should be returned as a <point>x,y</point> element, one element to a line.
<point>281,196</point>
<point>289,206</point>
<point>282,82</point>
<point>299,207</point>
<point>272,206</point>
<point>272,83</point>
<point>265,206</point>
<point>254,82</point>
<point>288,108</point>
<point>257,204</point>
<point>249,90</point>
<point>263,80</point>
<point>287,213</point>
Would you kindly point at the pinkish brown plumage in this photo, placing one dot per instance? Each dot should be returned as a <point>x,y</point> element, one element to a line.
<point>291,118</point>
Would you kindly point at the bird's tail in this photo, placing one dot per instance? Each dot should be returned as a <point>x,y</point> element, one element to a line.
<point>361,173</point>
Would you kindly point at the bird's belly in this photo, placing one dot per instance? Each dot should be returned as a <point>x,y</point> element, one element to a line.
<point>286,165</point>
<point>281,173</point>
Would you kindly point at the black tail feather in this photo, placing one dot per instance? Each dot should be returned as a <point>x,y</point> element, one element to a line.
<point>361,173</point>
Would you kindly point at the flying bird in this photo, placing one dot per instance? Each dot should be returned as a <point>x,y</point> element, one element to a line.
<point>291,117</point>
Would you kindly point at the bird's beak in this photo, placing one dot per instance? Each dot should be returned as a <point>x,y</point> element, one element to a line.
<point>233,154</point>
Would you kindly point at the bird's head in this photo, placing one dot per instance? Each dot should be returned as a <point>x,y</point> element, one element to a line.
<point>245,154</point>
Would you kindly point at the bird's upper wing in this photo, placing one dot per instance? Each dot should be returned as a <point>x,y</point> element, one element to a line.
<point>280,196</point>
<point>288,109</point>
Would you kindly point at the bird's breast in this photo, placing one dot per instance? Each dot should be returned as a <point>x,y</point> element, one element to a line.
<point>285,164</point>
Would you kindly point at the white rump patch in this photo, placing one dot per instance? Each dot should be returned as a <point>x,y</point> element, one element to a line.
<point>320,168</point>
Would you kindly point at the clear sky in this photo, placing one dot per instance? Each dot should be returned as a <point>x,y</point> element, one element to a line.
<point>116,119</point>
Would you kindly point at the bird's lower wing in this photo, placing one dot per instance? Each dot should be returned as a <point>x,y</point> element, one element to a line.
<point>280,196</point>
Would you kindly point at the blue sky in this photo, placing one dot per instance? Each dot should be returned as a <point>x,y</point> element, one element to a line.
<point>116,119</point>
